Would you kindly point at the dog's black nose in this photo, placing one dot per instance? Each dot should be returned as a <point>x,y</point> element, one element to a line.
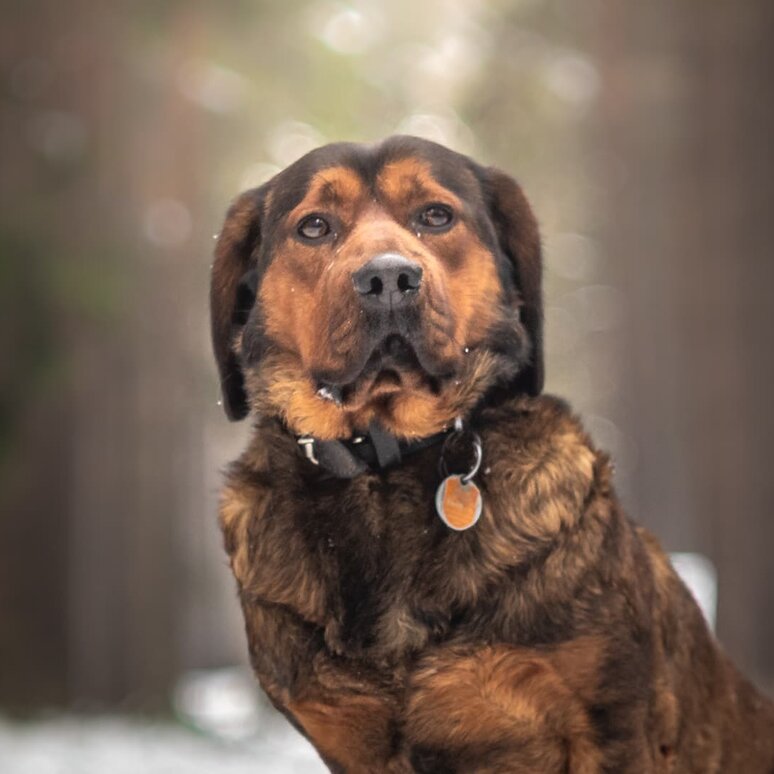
<point>388,280</point>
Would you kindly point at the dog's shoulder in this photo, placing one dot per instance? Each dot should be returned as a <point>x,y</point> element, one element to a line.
<point>542,466</point>
<point>542,433</point>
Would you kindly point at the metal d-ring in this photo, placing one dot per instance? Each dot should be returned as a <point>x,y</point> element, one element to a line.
<point>477,448</point>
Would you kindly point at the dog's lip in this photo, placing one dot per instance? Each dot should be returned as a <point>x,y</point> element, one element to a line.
<point>381,368</point>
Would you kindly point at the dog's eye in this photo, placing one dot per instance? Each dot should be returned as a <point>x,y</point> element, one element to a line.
<point>314,227</point>
<point>435,216</point>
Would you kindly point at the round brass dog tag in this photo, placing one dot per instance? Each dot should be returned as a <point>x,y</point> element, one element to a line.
<point>458,503</point>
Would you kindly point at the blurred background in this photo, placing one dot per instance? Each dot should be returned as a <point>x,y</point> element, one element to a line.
<point>642,133</point>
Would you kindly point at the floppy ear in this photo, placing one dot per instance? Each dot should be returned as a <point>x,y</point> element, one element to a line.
<point>518,237</point>
<point>232,293</point>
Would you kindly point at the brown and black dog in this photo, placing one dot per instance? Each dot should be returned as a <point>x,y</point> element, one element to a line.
<point>363,301</point>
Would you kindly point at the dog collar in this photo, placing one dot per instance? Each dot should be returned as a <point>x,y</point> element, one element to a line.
<point>458,500</point>
<point>375,450</point>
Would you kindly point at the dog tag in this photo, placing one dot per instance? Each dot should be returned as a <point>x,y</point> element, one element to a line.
<point>458,503</point>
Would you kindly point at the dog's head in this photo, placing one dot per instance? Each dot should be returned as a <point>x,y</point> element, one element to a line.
<point>397,282</point>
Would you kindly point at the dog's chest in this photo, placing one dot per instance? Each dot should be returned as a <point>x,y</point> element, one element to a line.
<point>377,544</point>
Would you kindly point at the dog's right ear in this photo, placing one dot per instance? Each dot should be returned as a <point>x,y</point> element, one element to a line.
<point>232,292</point>
<point>519,238</point>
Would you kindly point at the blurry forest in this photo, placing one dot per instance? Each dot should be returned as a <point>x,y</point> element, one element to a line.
<point>642,133</point>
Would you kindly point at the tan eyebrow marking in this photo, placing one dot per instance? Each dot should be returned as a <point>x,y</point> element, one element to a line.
<point>410,179</point>
<point>331,187</point>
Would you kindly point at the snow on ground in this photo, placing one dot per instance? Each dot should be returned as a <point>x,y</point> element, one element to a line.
<point>115,745</point>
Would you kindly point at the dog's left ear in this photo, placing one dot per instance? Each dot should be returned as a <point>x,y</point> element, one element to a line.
<point>232,293</point>
<point>518,237</point>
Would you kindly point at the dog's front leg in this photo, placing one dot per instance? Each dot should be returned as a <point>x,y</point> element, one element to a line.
<point>346,712</point>
<point>497,709</point>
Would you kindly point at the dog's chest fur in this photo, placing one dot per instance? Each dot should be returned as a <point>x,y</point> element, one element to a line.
<point>370,562</point>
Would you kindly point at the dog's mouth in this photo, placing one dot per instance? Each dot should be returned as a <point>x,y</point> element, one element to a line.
<point>393,365</point>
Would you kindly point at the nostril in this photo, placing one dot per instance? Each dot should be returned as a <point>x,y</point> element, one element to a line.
<point>388,279</point>
<point>409,280</point>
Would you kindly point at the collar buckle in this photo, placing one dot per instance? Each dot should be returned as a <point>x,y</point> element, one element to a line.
<point>306,442</point>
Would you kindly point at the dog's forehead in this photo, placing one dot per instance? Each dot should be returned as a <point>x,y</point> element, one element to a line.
<point>399,169</point>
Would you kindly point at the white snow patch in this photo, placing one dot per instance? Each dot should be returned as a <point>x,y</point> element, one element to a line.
<point>79,745</point>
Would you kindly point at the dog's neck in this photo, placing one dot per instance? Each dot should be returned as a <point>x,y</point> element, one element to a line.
<point>375,450</point>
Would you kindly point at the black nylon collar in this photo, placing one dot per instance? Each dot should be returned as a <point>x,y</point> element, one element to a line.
<point>376,450</point>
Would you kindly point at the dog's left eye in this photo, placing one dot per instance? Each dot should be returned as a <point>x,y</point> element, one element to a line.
<point>435,216</point>
<point>314,227</point>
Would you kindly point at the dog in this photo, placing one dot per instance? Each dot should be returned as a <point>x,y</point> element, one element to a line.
<point>434,569</point>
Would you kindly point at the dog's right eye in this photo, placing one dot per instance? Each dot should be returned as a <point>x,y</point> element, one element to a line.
<point>314,227</point>
<point>435,217</point>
